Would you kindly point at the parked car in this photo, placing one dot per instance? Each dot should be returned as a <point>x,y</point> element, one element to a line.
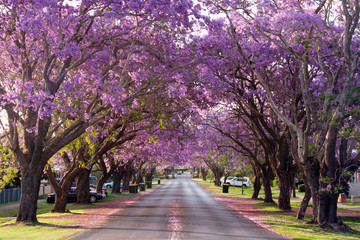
<point>228,179</point>
<point>239,182</point>
<point>93,180</point>
<point>94,196</point>
<point>103,191</point>
<point>111,184</point>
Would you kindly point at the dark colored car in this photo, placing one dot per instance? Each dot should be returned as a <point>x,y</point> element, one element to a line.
<point>72,196</point>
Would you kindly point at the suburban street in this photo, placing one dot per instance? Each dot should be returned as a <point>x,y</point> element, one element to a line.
<point>179,209</point>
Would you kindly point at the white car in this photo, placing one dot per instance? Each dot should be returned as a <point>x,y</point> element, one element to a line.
<point>228,179</point>
<point>239,182</point>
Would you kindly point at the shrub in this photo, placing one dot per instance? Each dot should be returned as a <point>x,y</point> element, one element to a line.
<point>301,188</point>
<point>275,183</point>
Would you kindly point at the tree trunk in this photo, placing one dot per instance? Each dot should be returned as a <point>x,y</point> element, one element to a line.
<point>329,175</point>
<point>217,175</point>
<point>105,174</point>
<point>284,169</point>
<point>30,186</point>
<point>203,173</point>
<point>101,183</point>
<point>117,182</point>
<point>305,201</point>
<point>133,178</point>
<point>83,187</point>
<point>286,182</point>
<point>139,178</point>
<point>312,176</point>
<point>126,181</point>
<point>62,188</point>
<point>257,187</point>
<point>149,175</point>
<point>328,207</point>
<point>267,184</point>
<point>60,201</point>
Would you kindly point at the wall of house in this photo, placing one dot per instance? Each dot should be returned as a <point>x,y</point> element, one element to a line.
<point>354,189</point>
<point>45,189</point>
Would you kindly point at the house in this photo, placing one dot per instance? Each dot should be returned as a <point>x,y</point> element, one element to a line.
<point>355,184</point>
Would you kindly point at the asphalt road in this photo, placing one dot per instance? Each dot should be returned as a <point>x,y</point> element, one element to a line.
<point>179,209</point>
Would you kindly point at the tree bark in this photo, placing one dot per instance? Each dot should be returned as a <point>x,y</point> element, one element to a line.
<point>329,175</point>
<point>149,175</point>
<point>257,187</point>
<point>83,186</point>
<point>267,184</point>
<point>218,172</point>
<point>203,173</point>
<point>284,169</point>
<point>118,176</point>
<point>62,188</point>
<point>105,173</point>
<point>117,182</point>
<point>30,186</point>
<point>101,183</point>
<point>139,178</point>
<point>127,178</point>
<point>305,201</point>
<point>312,175</point>
<point>286,182</point>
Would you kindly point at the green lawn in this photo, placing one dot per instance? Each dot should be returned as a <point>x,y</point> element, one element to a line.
<point>289,225</point>
<point>5,204</point>
<point>299,230</point>
<point>50,225</point>
<point>235,191</point>
<point>48,228</point>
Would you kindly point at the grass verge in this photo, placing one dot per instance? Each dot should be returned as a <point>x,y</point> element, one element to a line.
<point>298,229</point>
<point>51,225</point>
<point>285,222</point>
<point>245,192</point>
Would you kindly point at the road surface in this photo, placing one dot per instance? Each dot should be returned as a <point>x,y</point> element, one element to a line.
<point>179,209</point>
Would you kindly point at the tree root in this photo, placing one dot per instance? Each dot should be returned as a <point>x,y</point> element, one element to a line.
<point>312,221</point>
<point>337,226</point>
<point>57,211</point>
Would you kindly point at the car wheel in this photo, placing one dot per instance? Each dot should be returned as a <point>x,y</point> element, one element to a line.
<point>92,199</point>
